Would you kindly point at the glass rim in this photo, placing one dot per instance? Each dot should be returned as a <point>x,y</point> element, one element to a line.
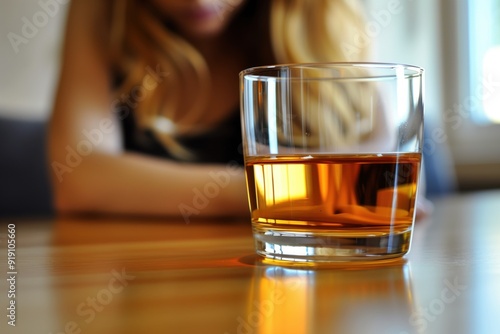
<point>398,71</point>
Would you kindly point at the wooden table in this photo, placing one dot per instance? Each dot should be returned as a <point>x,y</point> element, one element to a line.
<point>131,275</point>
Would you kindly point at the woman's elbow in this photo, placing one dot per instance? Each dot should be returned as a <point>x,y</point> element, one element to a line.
<point>69,197</point>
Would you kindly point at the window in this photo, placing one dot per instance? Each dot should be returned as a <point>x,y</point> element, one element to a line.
<point>471,89</point>
<point>484,56</point>
<point>457,42</point>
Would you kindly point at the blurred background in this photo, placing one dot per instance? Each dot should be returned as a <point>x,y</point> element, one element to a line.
<point>457,42</point>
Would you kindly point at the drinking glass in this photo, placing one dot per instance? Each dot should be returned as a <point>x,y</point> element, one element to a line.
<point>332,159</point>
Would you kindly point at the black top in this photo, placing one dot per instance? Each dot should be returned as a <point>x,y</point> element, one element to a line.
<point>222,144</point>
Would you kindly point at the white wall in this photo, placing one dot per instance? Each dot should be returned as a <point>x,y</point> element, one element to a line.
<point>29,54</point>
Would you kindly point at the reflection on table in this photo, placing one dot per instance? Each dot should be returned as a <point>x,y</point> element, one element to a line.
<point>136,275</point>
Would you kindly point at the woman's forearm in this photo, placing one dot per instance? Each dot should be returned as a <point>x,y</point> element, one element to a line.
<point>135,184</point>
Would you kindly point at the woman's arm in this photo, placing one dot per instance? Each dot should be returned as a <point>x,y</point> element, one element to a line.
<point>92,172</point>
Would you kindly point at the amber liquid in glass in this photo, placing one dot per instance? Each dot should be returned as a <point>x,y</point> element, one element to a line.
<point>333,205</point>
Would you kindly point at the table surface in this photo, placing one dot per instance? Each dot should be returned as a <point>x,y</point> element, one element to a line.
<point>135,275</point>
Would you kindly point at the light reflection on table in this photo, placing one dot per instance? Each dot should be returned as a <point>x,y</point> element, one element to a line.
<point>132,275</point>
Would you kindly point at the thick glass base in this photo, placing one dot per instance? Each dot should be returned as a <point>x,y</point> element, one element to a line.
<point>328,247</point>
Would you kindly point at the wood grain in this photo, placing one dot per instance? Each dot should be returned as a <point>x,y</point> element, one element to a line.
<point>136,275</point>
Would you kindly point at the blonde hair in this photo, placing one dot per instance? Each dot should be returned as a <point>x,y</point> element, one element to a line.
<point>300,31</point>
<point>316,32</point>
